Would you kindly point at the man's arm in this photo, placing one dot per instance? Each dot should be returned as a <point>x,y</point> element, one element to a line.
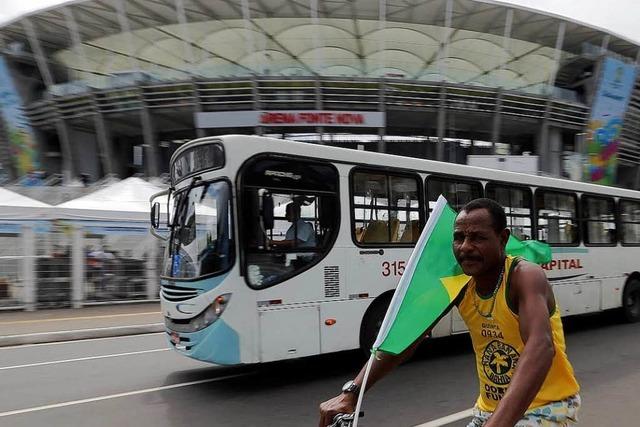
<point>304,233</point>
<point>345,403</point>
<point>534,298</point>
<point>282,244</point>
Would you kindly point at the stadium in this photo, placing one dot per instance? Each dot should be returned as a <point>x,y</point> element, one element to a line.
<point>111,87</point>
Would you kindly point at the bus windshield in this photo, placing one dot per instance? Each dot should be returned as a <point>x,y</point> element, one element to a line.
<point>201,241</point>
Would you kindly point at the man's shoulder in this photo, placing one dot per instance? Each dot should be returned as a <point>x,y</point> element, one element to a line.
<point>305,225</point>
<point>522,267</point>
<point>526,273</point>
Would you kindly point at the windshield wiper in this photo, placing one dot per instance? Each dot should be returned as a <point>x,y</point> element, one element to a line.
<point>180,207</point>
<point>183,200</point>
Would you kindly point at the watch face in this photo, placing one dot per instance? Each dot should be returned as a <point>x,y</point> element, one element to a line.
<point>349,387</point>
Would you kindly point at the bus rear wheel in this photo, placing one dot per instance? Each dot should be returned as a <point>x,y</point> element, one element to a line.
<point>371,324</point>
<point>631,301</point>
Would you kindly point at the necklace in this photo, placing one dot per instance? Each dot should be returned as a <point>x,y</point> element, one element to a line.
<point>493,298</point>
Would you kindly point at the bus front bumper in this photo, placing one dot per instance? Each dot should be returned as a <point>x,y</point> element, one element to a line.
<point>217,343</point>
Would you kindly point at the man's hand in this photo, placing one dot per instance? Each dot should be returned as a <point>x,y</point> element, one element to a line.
<point>344,403</point>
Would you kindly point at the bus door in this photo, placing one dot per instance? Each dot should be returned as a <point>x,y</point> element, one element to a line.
<point>289,214</point>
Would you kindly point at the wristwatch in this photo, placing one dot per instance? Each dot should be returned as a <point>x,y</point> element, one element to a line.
<point>351,387</point>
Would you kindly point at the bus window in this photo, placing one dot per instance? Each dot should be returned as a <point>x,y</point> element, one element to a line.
<point>386,208</point>
<point>557,216</point>
<point>517,206</point>
<point>457,192</point>
<point>290,216</point>
<point>630,222</point>
<point>599,224</point>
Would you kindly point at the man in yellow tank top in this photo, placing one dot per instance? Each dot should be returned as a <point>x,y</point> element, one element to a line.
<point>508,305</point>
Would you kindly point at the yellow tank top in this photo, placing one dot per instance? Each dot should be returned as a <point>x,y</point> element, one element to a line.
<point>497,345</point>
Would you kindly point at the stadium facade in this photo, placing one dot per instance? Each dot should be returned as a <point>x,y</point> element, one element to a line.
<point>104,87</point>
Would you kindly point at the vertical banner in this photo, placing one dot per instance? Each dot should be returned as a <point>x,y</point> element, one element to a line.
<point>22,144</point>
<point>605,125</point>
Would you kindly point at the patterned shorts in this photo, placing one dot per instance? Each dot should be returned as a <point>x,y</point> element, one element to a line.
<point>563,413</point>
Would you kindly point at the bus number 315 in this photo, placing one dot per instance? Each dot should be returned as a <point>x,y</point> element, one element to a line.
<point>395,268</point>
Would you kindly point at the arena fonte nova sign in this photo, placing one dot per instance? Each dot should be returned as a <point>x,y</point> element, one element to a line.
<point>283,118</point>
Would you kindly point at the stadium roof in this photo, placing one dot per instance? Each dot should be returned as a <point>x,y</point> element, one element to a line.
<point>281,37</point>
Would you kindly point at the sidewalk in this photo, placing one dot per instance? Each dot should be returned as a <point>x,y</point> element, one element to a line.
<point>52,325</point>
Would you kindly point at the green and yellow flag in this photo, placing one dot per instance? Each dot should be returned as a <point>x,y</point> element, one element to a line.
<point>433,279</point>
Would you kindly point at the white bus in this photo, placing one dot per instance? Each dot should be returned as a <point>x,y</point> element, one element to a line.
<point>242,284</point>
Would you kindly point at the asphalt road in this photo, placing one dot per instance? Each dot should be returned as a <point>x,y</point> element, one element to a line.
<point>135,381</point>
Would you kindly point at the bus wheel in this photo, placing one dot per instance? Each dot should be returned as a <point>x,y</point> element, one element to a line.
<point>631,301</point>
<point>371,324</point>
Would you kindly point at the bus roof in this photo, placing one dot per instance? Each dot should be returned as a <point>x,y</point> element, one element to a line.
<point>260,144</point>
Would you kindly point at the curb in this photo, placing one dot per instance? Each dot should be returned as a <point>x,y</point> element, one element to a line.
<point>80,334</point>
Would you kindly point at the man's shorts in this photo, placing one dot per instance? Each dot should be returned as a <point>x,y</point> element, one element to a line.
<point>556,414</point>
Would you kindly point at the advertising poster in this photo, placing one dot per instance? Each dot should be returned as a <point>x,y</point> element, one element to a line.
<point>22,144</point>
<point>605,125</point>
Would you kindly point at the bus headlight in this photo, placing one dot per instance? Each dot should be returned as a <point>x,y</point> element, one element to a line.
<point>202,320</point>
<point>211,314</point>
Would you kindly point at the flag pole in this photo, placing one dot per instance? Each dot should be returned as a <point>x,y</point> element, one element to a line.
<point>363,386</point>
<point>398,296</point>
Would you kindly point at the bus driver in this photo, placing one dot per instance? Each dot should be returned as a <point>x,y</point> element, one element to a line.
<point>300,233</point>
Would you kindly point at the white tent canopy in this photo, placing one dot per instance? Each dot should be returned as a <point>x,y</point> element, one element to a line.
<point>14,206</point>
<point>124,200</point>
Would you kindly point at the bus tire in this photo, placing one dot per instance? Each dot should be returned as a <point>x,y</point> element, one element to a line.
<point>371,323</point>
<point>631,301</point>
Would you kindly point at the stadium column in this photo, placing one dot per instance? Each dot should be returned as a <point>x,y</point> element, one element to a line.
<point>497,121</point>
<point>104,140</point>
<point>382,144</point>
<point>555,151</point>
<point>442,116</point>
<point>150,140</point>
<point>549,145</point>
<point>315,21</point>
<point>497,113</point>
<point>6,161</point>
<point>68,169</point>
<point>542,146</point>
<point>102,135</point>
<point>550,139</point>
<point>318,93</point>
<point>258,130</point>
<point>382,23</point>
<point>197,107</point>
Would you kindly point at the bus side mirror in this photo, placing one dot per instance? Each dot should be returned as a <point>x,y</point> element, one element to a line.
<point>155,215</point>
<point>267,211</point>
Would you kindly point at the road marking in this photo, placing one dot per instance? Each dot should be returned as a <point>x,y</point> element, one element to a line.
<point>13,347</point>
<point>448,419</point>
<point>80,359</point>
<point>116,396</point>
<point>108,328</point>
<point>64,319</point>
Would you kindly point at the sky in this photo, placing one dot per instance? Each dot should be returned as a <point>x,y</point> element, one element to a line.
<point>618,16</point>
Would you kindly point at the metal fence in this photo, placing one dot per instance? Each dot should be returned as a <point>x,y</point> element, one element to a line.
<point>52,267</point>
<point>118,267</point>
<point>73,266</point>
<point>11,284</point>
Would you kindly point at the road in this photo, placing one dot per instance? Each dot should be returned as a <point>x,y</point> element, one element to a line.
<point>135,380</point>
